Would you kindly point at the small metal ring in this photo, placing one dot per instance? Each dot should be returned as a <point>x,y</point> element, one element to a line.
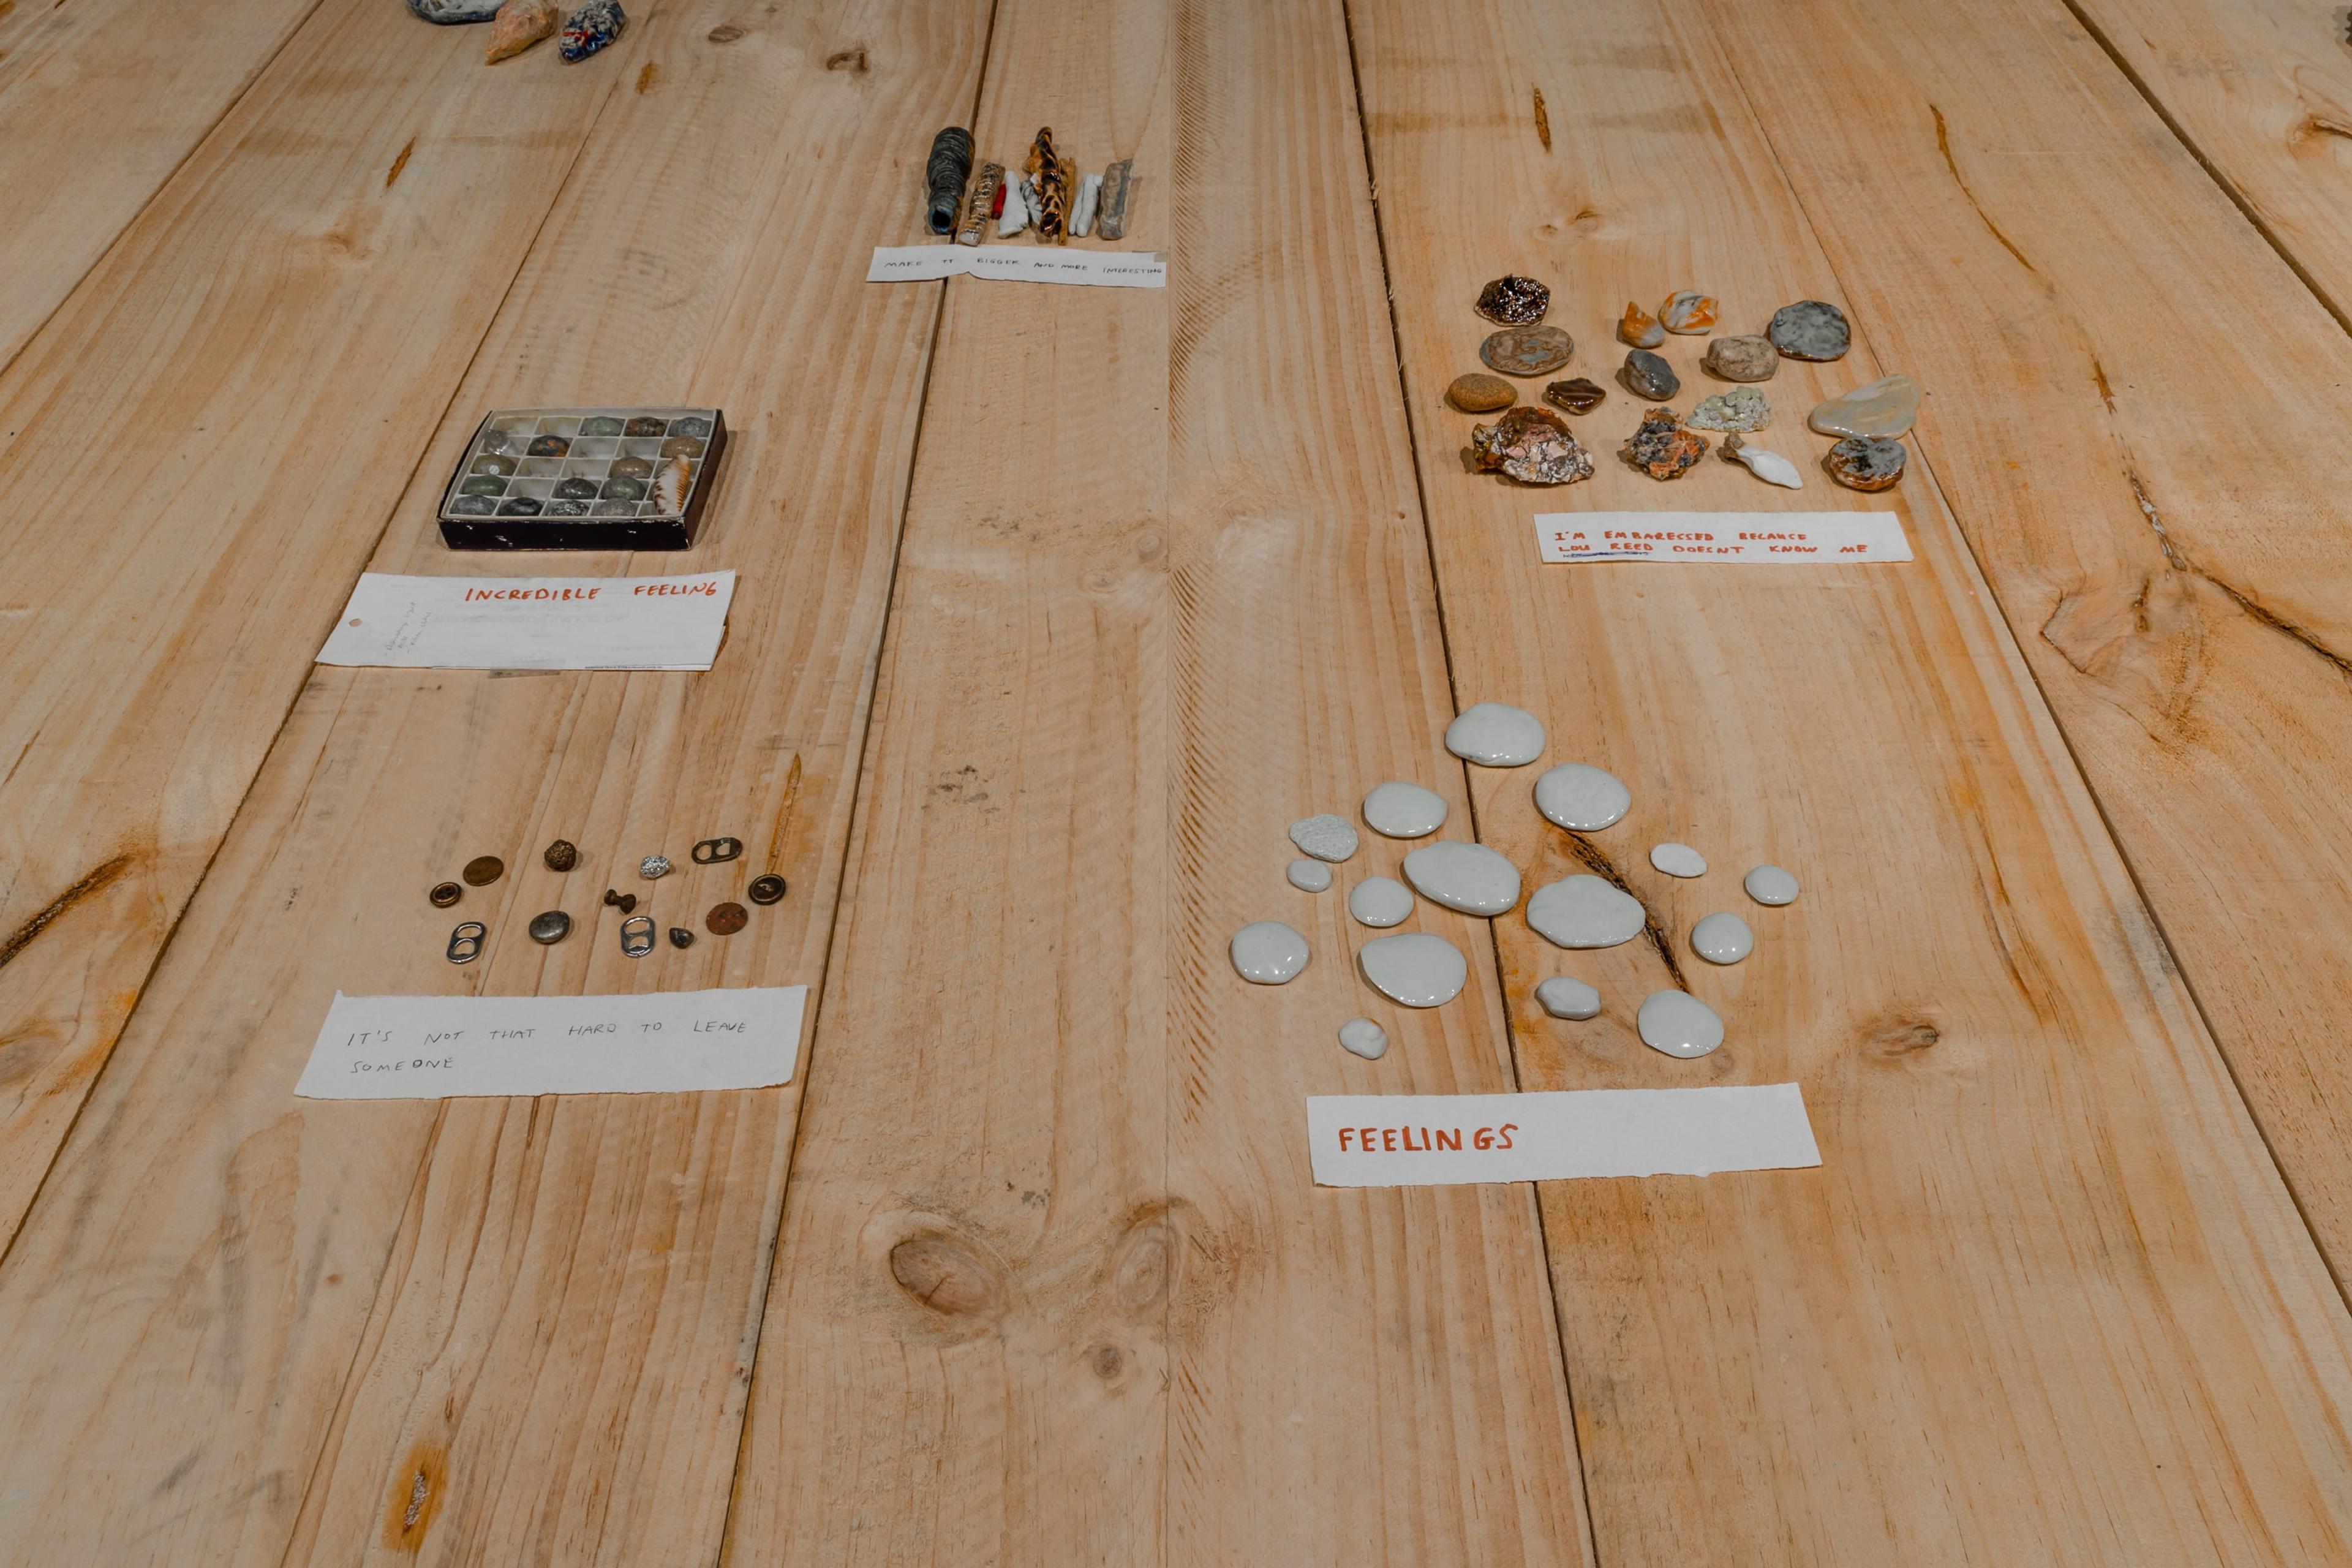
<point>466,941</point>
<point>716,851</point>
<point>637,936</point>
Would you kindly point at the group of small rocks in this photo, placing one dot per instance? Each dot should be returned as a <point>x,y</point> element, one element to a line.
<point>517,25</point>
<point>1578,912</point>
<point>1536,447</point>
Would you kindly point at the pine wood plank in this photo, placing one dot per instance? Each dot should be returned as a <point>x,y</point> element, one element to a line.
<point>1054,1285</point>
<point>257,352</point>
<point>517,1329</point>
<point>100,101</point>
<point>2046,1299</point>
<point>2262,93</point>
<point>2129,358</point>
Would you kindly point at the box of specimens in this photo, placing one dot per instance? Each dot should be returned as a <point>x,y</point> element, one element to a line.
<point>583,478</point>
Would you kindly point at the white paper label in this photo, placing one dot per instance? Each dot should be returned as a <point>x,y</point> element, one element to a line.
<point>663,1042</point>
<point>1808,538</point>
<point>1443,1140</point>
<point>1021,264</point>
<point>533,623</point>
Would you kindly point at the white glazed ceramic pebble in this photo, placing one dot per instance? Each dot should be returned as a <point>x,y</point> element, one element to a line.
<point>1581,798</point>
<point>1496,735</point>
<point>1310,875</point>
<point>1269,953</point>
<point>1380,901</point>
<point>1770,885</point>
<point>1679,860</point>
<point>1416,969</point>
<point>1678,1024</point>
<point>1402,810</point>
<point>1564,998</point>
<point>1770,466</point>
<point>1364,1038</point>
<point>1470,878</point>
<point>1326,837</point>
<point>1585,912</point>
<point>1722,938</point>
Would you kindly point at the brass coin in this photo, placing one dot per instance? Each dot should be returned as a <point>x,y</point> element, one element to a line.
<point>767,890</point>
<point>726,920</point>
<point>561,854</point>
<point>444,894</point>
<point>482,870</point>
<point>1526,351</point>
<point>552,927</point>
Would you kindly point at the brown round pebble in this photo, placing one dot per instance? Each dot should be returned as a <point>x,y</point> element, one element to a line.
<point>1578,396</point>
<point>1480,394</point>
<point>561,854</point>
<point>1526,351</point>
<point>1741,359</point>
<point>1864,463</point>
<point>482,870</point>
<point>726,920</point>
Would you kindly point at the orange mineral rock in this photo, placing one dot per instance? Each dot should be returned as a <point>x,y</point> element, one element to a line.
<point>1639,329</point>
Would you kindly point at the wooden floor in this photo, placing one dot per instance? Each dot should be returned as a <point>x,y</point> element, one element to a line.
<point>1069,600</point>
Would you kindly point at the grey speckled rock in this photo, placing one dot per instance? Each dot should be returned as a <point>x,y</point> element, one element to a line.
<point>1649,378</point>
<point>1809,329</point>
<point>450,12</point>
<point>1741,359</point>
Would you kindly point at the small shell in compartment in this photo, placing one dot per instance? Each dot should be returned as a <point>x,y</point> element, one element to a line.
<point>671,485</point>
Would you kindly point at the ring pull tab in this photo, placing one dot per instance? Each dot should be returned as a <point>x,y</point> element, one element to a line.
<point>637,936</point>
<point>466,941</point>
<point>716,851</point>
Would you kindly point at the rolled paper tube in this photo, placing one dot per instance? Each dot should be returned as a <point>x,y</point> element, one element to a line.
<point>1081,211</point>
<point>949,167</point>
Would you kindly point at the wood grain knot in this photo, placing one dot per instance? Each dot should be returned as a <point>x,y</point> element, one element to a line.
<point>417,1492</point>
<point>947,1277</point>
<point>1144,1270</point>
<point>725,33</point>
<point>1899,1037</point>
<point>851,60</point>
<point>1106,1361</point>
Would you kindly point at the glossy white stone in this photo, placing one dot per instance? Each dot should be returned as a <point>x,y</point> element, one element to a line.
<point>1414,968</point>
<point>1679,860</point>
<point>1380,901</point>
<point>1585,912</point>
<point>1364,1038</point>
<point>1496,735</point>
<point>1678,1024</point>
<point>1268,953</point>
<point>1722,938</point>
<point>1326,837</point>
<point>1770,885</point>
<point>1469,878</point>
<point>1564,996</point>
<point>1770,466</point>
<point>1582,798</point>
<point>1402,810</point>
<point>1310,875</point>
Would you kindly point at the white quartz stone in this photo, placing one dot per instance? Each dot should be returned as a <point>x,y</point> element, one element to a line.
<point>1310,875</point>
<point>1770,885</point>
<point>1269,953</point>
<point>1414,968</point>
<point>1564,996</point>
<point>1722,938</point>
<point>1364,1038</point>
<point>1585,912</point>
<point>1679,860</point>
<point>1380,901</point>
<point>1496,735</point>
<point>1402,810</point>
<point>1678,1024</point>
<point>1470,878</point>
<point>1582,798</point>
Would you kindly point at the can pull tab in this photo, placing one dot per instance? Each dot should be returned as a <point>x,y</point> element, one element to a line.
<point>636,936</point>
<point>715,851</point>
<point>466,941</point>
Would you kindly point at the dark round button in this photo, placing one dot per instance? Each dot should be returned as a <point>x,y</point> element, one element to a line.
<point>681,937</point>
<point>552,927</point>
<point>767,890</point>
<point>726,920</point>
<point>482,870</point>
<point>444,894</point>
<point>561,854</point>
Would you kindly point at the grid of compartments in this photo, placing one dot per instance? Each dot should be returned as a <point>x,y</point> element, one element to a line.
<point>583,462</point>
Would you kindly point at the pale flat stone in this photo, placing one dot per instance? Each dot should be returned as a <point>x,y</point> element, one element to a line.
<point>1380,902</point>
<point>1362,1037</point>
<point>1401,810</point>
<point>1268,953</point>
<point>1584,910</point>
<point>1679,1024</point>
<point>1563,997</point>
<point>1679,860</point>
<point>1886,407</point>
<point>1310,875</point>
<point>1415,968</point>
<point>1722,938</point>
<point>1326,837</point>
<point>1467,877</point>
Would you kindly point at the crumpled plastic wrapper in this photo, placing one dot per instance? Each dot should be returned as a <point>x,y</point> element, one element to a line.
<point>1533,446</point>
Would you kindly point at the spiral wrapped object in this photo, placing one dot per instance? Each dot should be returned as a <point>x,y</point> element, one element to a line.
<point>945,174</point>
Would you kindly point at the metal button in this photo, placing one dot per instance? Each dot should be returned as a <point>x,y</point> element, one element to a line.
<point>482,870</point>
<point>637,936</point>
<point>767,890</point>
<point>655,867</point>
<point>726,920</point>
<point>552,927</point>
<point>466,941</point>
<point>625,903</point>
<point>681,937</point>
<point>561,854</point>
<point>713,851</point>
<point>444,894</point>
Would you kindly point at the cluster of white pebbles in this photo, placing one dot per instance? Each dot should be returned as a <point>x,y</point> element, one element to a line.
<point>1418,969</point>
